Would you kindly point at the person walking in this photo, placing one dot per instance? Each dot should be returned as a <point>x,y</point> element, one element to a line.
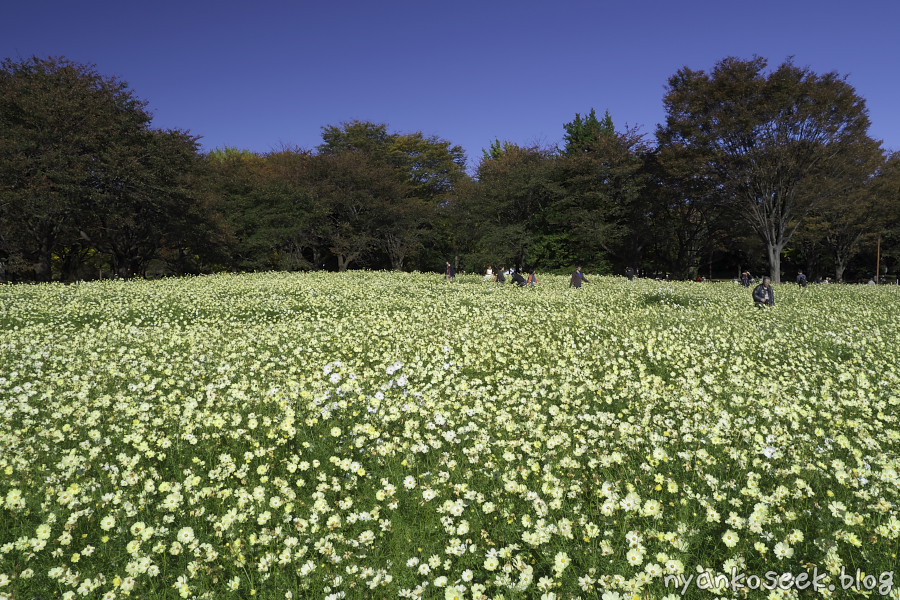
<point>763,294</point>
<point>578,278</point>
<point>450,272</point>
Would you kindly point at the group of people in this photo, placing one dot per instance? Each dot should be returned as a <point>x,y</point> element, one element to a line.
<point>499,276</point>
<point>802,280</point>
<point>515,276</point>
<point>763,294</point>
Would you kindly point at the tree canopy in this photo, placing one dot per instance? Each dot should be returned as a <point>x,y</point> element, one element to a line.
<point>768,139</point>
<point>754,168</point>
<point>81,170</point>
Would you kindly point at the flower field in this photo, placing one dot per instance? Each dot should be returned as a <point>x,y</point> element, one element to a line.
<point>381,435</point>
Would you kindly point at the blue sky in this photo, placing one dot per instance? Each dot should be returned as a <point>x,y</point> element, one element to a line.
<point>264,75</point>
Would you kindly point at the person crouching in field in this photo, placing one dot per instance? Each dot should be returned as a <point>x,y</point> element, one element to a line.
<point>518,279</point>
<point>763,294</point>
<point>578,278</point>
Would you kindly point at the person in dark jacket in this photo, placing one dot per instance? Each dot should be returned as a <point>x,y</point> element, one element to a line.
<point>500,277</point>
<point>629,273</point>
<point>763,294</point>
<point>450,272</point>
<point>802,281</point>
<point>518,279</point>
<point>578,278</point>
<point>745,278</point>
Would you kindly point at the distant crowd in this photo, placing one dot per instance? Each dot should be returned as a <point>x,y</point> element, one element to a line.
<point>763,294</point>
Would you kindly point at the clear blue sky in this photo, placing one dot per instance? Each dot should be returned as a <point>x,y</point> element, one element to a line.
<point>259,75</point>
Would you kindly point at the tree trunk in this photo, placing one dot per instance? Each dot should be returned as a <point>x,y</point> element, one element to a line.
<point>774,262</point>
<point>839,267</point>
<point>316,258</point>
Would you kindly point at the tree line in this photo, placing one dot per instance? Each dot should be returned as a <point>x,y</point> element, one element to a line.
<point>770,170</point>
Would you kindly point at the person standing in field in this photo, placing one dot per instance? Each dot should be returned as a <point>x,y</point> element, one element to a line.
<point>745,278</point>
<point>578,278</point>
<point>802,281</point>
<point>763,294</point>
<point>450,272</point>
<point>629,273</point>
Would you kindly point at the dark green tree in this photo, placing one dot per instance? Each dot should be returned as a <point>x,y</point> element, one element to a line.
<point>687,209</point>
<point>81,170</point>
<point>766,136</point>
<point>405,212</point>
<point>601,209</point>
<point>232,179</point>
<point>587,135</point>
<point>509,206</point>
<point>58,121</point>
<point>354,190</point>
<point>141,201</point>
<point>846,212</point>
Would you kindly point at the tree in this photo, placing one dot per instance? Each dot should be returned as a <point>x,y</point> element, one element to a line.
<point>293,218</point>
<point>885,189</point>
<point>81,169</point>
<point>57,118</point>
<point>354,189</point>
<point>685,210</point>
<point>403,206</point>
<point>232,180</point>
<point>509,205</point>
<point>766,137</point>
<point>140,201</point>
<point>586,135</point>
<point>846,211</point>
<point>602,175</point>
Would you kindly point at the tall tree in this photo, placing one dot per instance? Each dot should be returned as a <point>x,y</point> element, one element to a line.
<point>766,136</point>
<point>509,206</point>
<point>586,135</point>
<point>232,181</point>
<point>686,210</point>
<point>57,121</point>
<point>354,190</point>
<point>602,176</point>
<point>141,201</point>
<point>425,170</point>
<point>81,168</point>
<point>846,211</point>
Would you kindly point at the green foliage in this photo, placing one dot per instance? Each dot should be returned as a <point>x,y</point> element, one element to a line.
<point>498,149</point>
<point>584,135</point>
<point>768,138</point>
<point>81,168</point>
<point>88,187</point>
